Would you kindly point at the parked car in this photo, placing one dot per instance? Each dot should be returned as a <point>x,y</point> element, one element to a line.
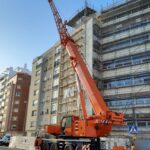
<point>5,139</point>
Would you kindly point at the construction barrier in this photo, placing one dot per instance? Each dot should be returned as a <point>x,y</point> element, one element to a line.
<point>22,142</point>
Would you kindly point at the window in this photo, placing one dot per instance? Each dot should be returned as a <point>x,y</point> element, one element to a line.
<point>56,70</point>
<point>41,123</point>
<point>18,93</point>
<point>35,92</point>
<point>13,126</point>
<point>16,110</point>
<point>41,112</point>
<point>58,49</point>
<point>56,64</point>
<point>14,118</point>
<point>57,58</point>
<point>96,45</point>
<point>69,92</point>
<point>128,61</point>
<point>127,43</point>
<point>141,124</point>
<point>17,102</point>
<point>20,78</point>
<point>38,62</point>
<point>96,64</point>
<point>18,86</point>
<point>96,30</point>
<point>126,13</point>
<point>53,108</point>
<point>32,124</point>
<point>148,123</point>
<point>129,102</point>
<point>34,113</point>
<point>119,26</point>
<point>53,119</point>
<point>36,82</point>
<point>128,81</point>
<point>47,111</point>
<point>129,27</point>
<point>45,77</point>
<point>35,102</point>
<point>38,72</point>
<point>68,121</point>
<point>138,81</point>
<point>55,94</point>
<point>55,81</point>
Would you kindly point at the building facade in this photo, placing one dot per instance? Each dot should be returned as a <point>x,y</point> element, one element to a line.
<point>4,79</point>
<point>115,46</point>
<point>53,92</point>
<point>14,88</point>
<point>125,59</point>
<point>18,92</point>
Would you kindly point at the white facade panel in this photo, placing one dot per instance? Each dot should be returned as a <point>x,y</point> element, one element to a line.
<point>127,90</point>
<point>126,52</point>
<point>126,34</point>
<point>126,71</point>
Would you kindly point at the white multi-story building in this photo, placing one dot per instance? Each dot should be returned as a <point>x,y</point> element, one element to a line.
<point>4,78</point>
<point>125,59</point>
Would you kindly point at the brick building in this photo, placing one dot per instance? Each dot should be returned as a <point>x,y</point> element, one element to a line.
<point>18,88</point>
<point>14,89</point>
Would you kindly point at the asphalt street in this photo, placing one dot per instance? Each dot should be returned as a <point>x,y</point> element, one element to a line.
<point>6,148</point>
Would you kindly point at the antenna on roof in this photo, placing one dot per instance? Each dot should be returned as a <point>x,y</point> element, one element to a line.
<point>86,3</point>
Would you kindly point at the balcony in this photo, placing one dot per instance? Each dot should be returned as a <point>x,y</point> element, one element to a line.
<point>126,34</point>
<point>129,105</point>
<point>114,21</point>
<point>126,52</point>
<point>127,90</point>
<point>142,68</point>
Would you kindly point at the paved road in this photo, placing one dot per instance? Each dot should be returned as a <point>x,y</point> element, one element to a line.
<point>6,148</point>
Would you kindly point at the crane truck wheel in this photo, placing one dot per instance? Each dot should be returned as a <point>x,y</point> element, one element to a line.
<point>46,146</point>
<point>68,147</point>
<point>53,146</point>
<point>79,147</point>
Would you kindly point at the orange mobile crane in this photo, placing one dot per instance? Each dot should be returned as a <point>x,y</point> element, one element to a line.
<point>73,131</point>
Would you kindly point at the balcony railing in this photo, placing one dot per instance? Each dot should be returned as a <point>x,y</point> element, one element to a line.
<point>126,51</point>
<point>127,16</point>
<point>126,70</point>
<point>127,90</point>
<point>126,34</point>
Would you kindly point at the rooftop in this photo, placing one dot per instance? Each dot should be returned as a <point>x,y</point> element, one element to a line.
<point>87,11</point>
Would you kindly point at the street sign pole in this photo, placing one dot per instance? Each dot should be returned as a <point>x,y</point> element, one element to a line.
<point>133,130</point>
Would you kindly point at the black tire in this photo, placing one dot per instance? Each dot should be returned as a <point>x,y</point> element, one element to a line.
<point>46,146</point>
<point>53,146</point>
<point>78,147</point>
<point>68,147</point>
<point>7,144</point>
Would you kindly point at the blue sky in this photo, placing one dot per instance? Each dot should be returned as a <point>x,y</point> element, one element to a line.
<point>27,27</point>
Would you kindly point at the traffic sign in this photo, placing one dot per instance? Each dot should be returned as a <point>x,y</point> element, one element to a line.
<point>133,129</point>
